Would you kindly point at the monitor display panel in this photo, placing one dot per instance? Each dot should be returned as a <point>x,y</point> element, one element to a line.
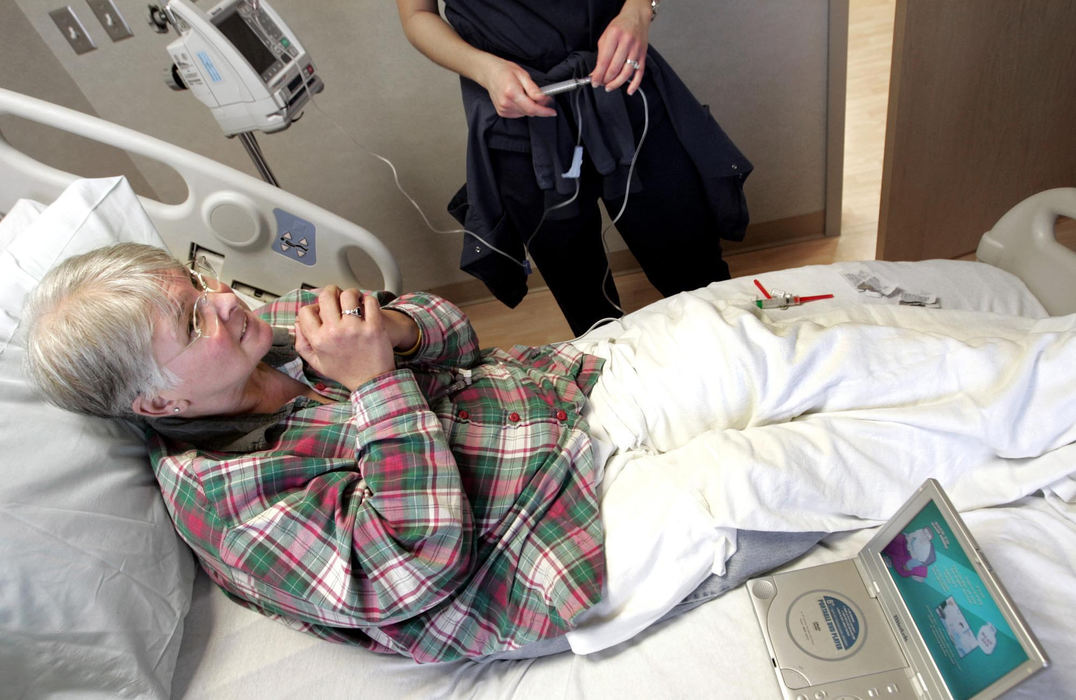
<point>249,44</point>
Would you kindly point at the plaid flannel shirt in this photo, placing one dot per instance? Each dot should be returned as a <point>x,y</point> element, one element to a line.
<point>447,509</point>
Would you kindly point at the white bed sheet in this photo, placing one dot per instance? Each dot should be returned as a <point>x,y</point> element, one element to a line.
<point>715,650</point>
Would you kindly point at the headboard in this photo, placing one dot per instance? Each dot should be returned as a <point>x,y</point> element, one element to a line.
<point>269,239</point>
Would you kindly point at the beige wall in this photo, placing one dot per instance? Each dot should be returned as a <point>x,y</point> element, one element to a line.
<point>31,67</point>
<point>762,68</point>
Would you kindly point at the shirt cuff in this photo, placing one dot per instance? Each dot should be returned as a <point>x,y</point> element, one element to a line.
<point>387,397</point>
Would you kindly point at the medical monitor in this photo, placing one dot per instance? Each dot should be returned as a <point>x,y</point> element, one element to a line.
<point>243,62</point>
<point>236,30</point>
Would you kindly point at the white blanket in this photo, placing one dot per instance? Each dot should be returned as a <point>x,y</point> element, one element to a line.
<point>744,419</point>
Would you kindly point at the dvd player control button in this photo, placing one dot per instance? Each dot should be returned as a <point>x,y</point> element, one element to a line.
<point>763,589</point>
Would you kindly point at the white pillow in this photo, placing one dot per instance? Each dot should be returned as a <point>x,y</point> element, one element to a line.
<point>22,214</point>
<point>87,215</point>
<point>94,582</point>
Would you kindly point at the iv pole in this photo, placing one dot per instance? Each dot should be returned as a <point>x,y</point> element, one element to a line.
<point>255,152</point>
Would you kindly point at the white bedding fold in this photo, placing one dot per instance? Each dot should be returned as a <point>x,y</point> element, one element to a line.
<point>743,420</point>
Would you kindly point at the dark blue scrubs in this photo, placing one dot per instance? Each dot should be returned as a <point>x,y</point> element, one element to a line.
<point>685,191</point>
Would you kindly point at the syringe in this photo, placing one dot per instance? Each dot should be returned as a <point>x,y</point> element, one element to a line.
<point>782,300</point>
<point>565,85</point>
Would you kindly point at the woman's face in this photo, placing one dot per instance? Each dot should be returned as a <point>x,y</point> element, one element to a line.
<point>212,347</point>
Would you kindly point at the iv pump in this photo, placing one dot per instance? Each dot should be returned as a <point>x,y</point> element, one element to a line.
<point>243,62</point>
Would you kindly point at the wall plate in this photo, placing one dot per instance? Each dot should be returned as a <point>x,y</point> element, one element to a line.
<point>110,18</point>
<point>71,27</point>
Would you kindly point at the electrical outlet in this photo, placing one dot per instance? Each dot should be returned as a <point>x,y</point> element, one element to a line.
<point>110,18</point>
<point>71,27</point>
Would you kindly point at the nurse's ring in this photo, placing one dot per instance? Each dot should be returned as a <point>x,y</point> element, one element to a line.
<point>633,63</point>
<point>352,312</point>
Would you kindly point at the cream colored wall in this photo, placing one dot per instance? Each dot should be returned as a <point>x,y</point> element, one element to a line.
<point>30,67</point>
<point>762,68</point>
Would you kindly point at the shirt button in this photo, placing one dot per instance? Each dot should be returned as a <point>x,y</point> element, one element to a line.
<point>514,417</point>
<point>320,386</point>
<point>561,415</point>
<point>464,415</point>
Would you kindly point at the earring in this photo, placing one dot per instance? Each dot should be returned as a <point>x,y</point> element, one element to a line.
<point>175,409</point>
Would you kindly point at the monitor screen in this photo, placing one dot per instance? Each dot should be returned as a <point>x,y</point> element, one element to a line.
<point>965,631</point>
<point>246,41</point>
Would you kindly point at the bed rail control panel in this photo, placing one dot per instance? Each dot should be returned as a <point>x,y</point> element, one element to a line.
<point>243,62</point>
<point>295,238</point>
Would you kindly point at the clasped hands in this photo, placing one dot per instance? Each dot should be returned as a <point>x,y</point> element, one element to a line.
<point>621,58</point>
<point>351,349</point>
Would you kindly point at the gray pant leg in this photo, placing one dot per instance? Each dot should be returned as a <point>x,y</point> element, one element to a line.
<point>756,553</point>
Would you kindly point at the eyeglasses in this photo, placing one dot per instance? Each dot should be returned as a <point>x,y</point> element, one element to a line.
<point>203,322</point>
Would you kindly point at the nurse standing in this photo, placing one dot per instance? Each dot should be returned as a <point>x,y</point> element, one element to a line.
<point>538,165</point>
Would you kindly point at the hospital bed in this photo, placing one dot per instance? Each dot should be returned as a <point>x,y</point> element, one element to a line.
<point>98,597</point>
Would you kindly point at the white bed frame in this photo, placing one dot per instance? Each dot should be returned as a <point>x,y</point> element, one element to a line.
<point>226,211</point>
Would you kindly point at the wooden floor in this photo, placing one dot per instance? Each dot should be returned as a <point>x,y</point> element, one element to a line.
<point>537,319</point>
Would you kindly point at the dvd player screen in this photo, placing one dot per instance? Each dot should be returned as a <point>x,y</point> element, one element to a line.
<point>963,628</point>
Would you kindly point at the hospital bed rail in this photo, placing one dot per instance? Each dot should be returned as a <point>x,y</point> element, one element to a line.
<point>1024,242</point>
<point>269,238</point>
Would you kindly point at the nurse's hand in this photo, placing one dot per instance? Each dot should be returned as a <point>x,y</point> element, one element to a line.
<point>351,349</point>
<point>623,45</point>
<point>513,92</point>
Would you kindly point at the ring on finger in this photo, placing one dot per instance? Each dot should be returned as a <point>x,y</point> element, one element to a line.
<point>357,311</point>
<point>633,63</point>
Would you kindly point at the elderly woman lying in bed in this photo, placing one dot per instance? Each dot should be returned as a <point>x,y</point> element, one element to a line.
<point>357,466</point>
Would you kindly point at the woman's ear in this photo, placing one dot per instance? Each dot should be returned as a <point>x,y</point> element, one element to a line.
<point>156,406</point>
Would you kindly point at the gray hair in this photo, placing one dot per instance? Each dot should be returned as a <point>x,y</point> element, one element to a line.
<point>90,326</point>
